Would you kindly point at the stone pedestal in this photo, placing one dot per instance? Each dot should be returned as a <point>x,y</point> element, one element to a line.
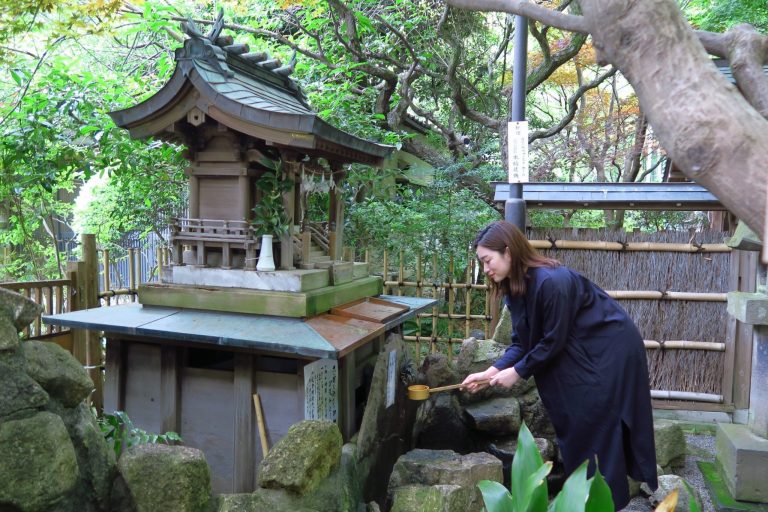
<point>742,450</point>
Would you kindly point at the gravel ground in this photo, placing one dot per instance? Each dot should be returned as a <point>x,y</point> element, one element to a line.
<point>698,447</point>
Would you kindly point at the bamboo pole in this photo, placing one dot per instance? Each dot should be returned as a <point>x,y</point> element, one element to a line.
<point>685,345</point>
<point>686,395</point>
<point>262,426</point>
<point>667,295</point>
<point>468,295</point>
<point>400,274</point>
<point>432,341</point>
<point>628,246</point>
<point>385,273</point>
<point>418,294</point>
<point>132,272</point>
<point>451,305</point>
<point>105,267</point>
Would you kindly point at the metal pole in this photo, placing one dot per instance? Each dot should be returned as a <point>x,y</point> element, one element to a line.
<point>514,207</point>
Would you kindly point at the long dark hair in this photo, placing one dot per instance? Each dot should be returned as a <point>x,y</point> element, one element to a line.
<point>501,235</point>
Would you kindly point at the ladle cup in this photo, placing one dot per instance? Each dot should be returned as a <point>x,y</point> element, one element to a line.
<point>422,391</point>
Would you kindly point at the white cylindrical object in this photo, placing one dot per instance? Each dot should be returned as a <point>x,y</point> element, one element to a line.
<point>266,261</point>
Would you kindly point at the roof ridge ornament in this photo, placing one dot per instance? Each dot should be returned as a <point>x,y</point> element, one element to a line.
<point>204,47</point>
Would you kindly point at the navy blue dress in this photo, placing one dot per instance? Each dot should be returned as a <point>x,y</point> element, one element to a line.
<point>591,371</point>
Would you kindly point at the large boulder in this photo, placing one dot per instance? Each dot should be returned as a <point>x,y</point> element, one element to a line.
<point>95,458</point>
<point>303,458</point>
<point>686,493</point>
<point>57,371</point>
<point>19,395</point>
<point>338,492</point>
<point>500,416</point>
<point>445,467</point>
<point>438,371</point>
<point>670,444</point>
<point>38,465</point>
<point>477,355</point>
<point>18,309</point>
<point>440,425</point>
<point>168,478</point>
<point>432,498</point>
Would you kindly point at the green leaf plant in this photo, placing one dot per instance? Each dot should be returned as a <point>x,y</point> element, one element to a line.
<point>120,432</point>
<point>269,216</point>
<point>529,486</point>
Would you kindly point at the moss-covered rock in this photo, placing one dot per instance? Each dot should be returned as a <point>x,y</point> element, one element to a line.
<point>435,498</point>
<point>19,395</point>
<point>303,458</point>
<point>57,371</point>
<point>38,466</point>
<point>18,309</point>
<point>166,478</point>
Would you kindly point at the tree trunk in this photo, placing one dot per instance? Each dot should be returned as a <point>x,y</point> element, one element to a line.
<point>707,127</point>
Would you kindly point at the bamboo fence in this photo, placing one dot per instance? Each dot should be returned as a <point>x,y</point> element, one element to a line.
<point>673,285</point>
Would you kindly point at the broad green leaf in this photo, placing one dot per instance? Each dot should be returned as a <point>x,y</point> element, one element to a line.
<point>600,498</point>
<point>495,496</point>
<point>573,496</point>
<point>527,461</point>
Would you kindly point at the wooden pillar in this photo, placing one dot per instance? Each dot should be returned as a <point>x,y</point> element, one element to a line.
<point>170,388</point>
<point>289,166</point>
<point>244,454</point>
<point>347,370</point>
<point>194,195</point>
<point>114,370</point>
<point>338,205</point>
<point>244,184</point>
<point>86,345</point>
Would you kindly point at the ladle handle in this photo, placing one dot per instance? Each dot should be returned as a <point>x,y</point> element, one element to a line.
<point>457,386</point>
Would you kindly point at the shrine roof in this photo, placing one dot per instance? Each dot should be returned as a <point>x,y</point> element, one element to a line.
<point>250,93</point>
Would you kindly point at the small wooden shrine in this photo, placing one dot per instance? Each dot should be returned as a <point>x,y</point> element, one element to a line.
<point>217,331</point>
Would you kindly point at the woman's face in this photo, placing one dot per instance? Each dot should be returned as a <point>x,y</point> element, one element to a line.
<point>495,264</point>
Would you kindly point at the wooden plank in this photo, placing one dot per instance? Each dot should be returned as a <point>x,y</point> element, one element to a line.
<point>245,456</point>
<point>691,406</point>
<point>341,273</point>
<point>730,333</point>
<point>370,309</point>
<point>142,386</point>
<point>261,302</point>
<point>114,385</point>
<point>744,332</point>
<point>347,416</point>
<point>170,388</point>
<point>345,334</point>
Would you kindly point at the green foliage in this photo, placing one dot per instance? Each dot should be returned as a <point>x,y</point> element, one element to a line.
<point>269,215</point>
<point>529,486</point>
<point>720,15</point>
<point>121,433</point>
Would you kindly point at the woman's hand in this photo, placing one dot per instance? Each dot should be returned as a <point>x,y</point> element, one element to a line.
<point>506,378</point>
<point>472,384</point>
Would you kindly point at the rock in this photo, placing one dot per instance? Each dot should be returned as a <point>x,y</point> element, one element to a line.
<point>670,444</point>
<point>437,371</point>
<point>57,371</point>
<point>168,478</point>
<point>435,498</point>
<point>19,395</point>
<point>506,448</point>
<point>503,331</point>
<point>386,431</point>
<point>18,309</point>
<point>95,458</point>
<point>38,466</point>
<point>9,335</point>
<point>304,457</point>
<point>535,414</point>
<point>499,416</point>
<point>667,484</point>
<point>439,425</point>
<point>445,467</point>
<point>477,355</point>
<point>239,503</point>
<point>478,334</point>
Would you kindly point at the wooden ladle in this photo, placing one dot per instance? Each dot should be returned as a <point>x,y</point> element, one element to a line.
<point>422,391</point>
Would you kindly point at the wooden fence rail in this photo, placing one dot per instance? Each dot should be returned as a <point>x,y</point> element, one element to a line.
<point>54,296</point>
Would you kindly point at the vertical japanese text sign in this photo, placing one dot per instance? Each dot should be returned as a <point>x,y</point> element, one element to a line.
<point>517,151</point>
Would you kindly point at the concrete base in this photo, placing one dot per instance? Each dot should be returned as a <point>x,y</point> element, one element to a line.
<point>279,280</point>
<point>743,458</point>
<point>721,497</point>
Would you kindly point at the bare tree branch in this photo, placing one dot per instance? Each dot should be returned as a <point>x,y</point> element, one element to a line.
<point>527,8</point>
<point>572,107</point>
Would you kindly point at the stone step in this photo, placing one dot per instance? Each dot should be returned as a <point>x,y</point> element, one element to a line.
<point>497,416</point>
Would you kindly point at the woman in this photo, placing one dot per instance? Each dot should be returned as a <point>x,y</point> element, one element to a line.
<point>586,354</point>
